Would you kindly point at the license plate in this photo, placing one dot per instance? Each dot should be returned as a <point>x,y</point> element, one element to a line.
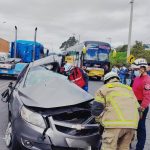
<point>7,66</point>
<point>78,144</point>
<point>96,73</point>
<point>97,69</point>
<point>4,71</point>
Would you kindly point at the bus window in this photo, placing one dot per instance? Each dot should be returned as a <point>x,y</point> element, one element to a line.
<point>91,55</point>
<point>103,57</point>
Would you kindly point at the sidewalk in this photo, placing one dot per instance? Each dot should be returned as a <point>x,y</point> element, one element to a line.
<point>147,145</point>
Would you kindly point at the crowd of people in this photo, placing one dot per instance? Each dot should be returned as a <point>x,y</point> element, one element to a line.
<point>127,74</point>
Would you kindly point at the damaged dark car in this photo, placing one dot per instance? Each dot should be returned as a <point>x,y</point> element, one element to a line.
<point>48,112</point>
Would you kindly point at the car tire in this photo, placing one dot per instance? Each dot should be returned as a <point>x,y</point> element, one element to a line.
<point>10,138</point>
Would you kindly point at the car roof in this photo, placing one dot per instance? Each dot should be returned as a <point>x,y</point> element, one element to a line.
<point>47,60</point>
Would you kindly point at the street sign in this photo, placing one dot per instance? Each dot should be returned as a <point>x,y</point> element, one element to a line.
<point>131,59</point>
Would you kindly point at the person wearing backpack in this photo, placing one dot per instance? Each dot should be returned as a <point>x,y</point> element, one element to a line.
<point>76,75</point>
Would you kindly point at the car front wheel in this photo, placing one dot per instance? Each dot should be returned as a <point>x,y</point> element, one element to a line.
<point>10,139</point>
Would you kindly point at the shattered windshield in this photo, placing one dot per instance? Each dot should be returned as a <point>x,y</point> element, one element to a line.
<point>40,74</point>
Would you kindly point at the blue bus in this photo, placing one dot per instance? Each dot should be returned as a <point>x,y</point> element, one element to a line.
<point>93,56</point>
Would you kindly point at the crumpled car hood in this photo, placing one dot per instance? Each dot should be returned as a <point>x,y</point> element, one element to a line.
<point>54,93</point>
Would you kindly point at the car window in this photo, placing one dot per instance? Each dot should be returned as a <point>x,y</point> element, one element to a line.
<point>41,74</point>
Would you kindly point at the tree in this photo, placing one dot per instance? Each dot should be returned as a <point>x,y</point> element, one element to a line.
<point>138,46</point>
<point>70,42</point>
<point>122,48</point>
<point>139,52</point>
<point>137,49</point>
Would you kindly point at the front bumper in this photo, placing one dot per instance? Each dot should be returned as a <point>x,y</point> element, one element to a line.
<point>26,132</point>
<point>68,135</point>
<point>10,72</point>
<point>55,137</point>
<point>95,72</point>
<point>14,71</point>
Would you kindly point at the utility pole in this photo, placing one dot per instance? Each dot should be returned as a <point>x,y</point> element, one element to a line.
<point>34,46</point>
<point>130,28</point>
<point>15,44</point>
<point>79,39</point>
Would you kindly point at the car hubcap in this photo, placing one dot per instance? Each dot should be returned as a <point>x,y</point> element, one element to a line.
<point>8,135</point>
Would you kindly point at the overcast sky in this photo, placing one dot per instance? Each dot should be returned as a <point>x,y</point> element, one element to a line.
<point>58,19</point>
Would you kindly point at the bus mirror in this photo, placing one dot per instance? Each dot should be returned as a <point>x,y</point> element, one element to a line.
<point>84,50</point>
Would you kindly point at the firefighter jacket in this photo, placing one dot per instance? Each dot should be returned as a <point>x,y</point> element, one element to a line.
<point>120,106</point>
<point>141,88</point>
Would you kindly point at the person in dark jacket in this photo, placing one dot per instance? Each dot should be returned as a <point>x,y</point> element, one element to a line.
<point>86,78</point>
<point>148,70</point>
<point>122,74</point>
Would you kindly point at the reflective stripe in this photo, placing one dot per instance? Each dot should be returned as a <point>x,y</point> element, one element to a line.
<point>77,79</point>
<point>121,94</point>
<point>121,120</point>
<point>125,86</point>
<point>119,112</point>
<point>111,85</point>
<point>124,123</point>
<point>116,108</point>
<point>136,114</point>
<point>99,99</point>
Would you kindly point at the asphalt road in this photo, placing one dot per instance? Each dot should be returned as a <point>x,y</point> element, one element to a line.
<point>3,112</point>
<point>93,86</point>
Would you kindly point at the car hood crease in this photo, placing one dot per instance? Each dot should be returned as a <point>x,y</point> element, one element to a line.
<point>53,93</point>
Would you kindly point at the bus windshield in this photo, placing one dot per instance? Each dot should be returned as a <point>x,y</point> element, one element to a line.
<point>103,57</point>
<point>91,55</point>
<point>95,55</point>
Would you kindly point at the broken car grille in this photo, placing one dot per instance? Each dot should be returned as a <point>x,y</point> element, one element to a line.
<point>78,123</point>
<point>75,132</point>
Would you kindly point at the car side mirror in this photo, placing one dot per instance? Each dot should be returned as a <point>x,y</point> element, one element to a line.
<point>5,96</point>
<point>10,85</point>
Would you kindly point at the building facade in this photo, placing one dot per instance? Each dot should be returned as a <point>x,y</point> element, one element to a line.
<point>4,45</point>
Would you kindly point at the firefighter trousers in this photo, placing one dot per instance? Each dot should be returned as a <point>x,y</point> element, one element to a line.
<point>117,139</point>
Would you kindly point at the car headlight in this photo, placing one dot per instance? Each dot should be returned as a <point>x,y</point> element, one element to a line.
<point>32,117</point>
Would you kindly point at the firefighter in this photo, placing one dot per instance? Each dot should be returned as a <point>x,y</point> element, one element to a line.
<point>116,109</point>
<point>141,88</point>
<point>76,75</point>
